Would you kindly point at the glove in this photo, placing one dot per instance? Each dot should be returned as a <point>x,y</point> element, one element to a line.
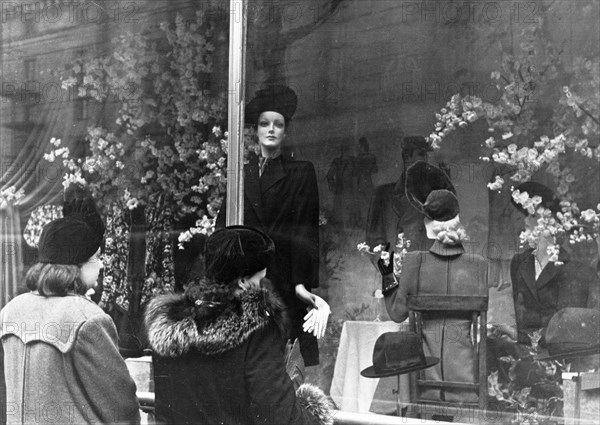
<point>389,268</point>
<point>315,321</point>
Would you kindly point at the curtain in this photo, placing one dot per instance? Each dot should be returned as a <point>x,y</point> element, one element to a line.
<point>41,181</point>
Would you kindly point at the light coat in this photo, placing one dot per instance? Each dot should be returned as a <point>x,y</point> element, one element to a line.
<point>443,270</point>
<point>62,363</point>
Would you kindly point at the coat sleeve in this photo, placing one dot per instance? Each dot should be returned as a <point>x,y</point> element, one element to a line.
<point>304,243</point>
<point>272,396</point>
<point>103,374</point>
<point>396,300</point>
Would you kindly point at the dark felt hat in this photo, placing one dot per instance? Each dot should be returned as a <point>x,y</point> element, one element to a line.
<point>549,200</point>
<point>237,251</point>
<point>421,180</point>
<point>396,353</point>
<point>276,98</point>
<point>68,240</point>
<point>572,332</point>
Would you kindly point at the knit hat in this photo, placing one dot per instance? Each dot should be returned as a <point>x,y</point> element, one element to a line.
<point>78,202</point>
<point>68,240</point>
<point>274,98</point>
<point>236,251</point>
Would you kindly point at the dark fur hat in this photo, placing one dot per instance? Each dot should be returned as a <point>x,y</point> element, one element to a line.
<point>236,251</point>
<point>276,98</point>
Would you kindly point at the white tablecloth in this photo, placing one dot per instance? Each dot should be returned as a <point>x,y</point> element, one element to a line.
<point>350,391</point>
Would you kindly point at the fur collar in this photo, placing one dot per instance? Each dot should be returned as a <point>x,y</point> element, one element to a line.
<point>173,329</point>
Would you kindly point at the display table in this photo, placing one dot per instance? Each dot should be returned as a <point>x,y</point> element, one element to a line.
<point>354,393</point>
<point>581,397</point>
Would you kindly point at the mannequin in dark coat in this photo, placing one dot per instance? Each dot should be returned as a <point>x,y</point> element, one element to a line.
<point>284,203</point>
<point>538,298</point>
<point>282,199</point>
<point>572,284</point>
<point>218,349</point>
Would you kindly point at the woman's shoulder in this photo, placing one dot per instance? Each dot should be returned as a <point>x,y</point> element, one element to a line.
<point>76,307</point>
<point>55,320</point>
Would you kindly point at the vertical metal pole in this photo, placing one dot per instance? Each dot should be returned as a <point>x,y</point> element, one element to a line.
<point>237,70</point>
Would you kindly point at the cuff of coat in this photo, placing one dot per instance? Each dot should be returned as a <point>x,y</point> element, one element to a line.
<point>316,403</point>
<point>388,283</point>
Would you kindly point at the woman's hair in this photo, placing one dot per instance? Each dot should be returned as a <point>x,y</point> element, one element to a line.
<point>449,232</point>
<point>55,280</point>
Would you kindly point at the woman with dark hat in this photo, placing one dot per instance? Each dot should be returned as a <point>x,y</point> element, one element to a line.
<point>282,200</point>
<point>444,269</point>
<point>541,287</point>
<point>61,361</point>
<point>219,348</point>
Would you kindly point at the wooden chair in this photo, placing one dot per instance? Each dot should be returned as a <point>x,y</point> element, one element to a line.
<point>477,306</point>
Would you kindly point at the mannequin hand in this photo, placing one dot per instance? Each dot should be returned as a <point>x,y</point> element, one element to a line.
<point>315,321</point>
<point>305,296</point>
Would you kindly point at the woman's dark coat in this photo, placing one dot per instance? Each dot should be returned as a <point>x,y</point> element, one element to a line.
<point>229,369</point>
<point>284,203</point>
<point>571,284</point>
<point>443,270</point>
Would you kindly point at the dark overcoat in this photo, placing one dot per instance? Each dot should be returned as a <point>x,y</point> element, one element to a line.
<point>572,284</point>
<point>284,203</point>
<point>228,369</point>
<point>443,270</point>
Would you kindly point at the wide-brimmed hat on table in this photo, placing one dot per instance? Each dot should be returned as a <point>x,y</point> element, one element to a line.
<point>571,333</point>
<point>276,98</point>
<point>396,353</point>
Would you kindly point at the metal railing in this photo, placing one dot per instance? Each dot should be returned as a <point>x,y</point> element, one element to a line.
<point>340,417</point>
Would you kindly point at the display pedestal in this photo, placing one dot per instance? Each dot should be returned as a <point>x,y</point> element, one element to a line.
<point>140,369</point>
<point>581,398</point>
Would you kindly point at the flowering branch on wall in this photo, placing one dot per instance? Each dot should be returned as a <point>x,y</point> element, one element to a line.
<point>163,143</point>
<point>10,196</point>
<point>525,139</point>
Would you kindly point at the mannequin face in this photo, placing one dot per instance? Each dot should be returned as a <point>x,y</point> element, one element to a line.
<point>531,222</point>
<point>252,282</point>
<point>270,131</point>
<point>90,270</point>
